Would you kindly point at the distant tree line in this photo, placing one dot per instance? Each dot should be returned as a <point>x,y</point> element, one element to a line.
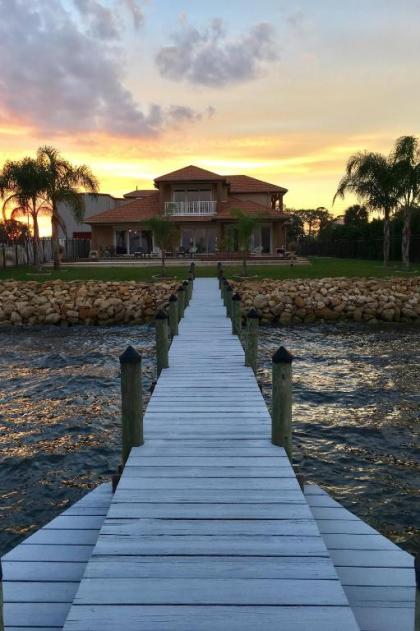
<point>388,185</point>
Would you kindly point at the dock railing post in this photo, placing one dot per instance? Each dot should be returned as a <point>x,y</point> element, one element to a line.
<point>220,276</point>
<point>251,344</point>
<point>131,401</point>
<point>173,315</point>
<point>185,285</point>
<point>224,286</point>
<point>281,415</point>
<point>162,341</point>
<point>229,294</point>
<point>181,302</point>
<point>236,314</point>
<point>190,285</point>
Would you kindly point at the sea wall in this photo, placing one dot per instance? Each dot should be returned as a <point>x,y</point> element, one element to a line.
<point>329,299</point>
<point>79,302</point>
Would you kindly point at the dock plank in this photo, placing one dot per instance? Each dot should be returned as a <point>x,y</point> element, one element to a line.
<point>377,576</point>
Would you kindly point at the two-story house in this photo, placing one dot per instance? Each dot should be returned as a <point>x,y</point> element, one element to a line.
<point>200,203</point>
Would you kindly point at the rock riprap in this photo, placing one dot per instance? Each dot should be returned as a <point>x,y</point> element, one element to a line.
<point>79,302</point>
<point>329,299</point>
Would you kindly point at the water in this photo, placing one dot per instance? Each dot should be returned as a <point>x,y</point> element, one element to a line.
<point>356,421</point>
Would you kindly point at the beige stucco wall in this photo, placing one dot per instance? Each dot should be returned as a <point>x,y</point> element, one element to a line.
<point>278,235</point>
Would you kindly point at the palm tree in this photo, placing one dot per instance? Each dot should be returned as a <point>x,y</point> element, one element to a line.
<point>22,184</point>
<point>164,235</point>
<point>372,178</point>
<point>64,181</point>
<point>245,225</point>
<point>406,157</point>
<point>356,215</point>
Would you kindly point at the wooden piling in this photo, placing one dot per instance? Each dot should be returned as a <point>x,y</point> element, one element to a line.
<point>251,345</point>
<point>162,341</point>
<point>185,285</point>
<point>236,314</point>
<point>181,302</point>
<point>220,276</point>
<point>192,270</point>
<point>190,285</point>
<point>229,295</point>
<point>173,315</point>
<point>281,415</point>
<point>131,401</point>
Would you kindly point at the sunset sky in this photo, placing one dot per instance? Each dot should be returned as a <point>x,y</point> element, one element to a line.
<point>282,91</point>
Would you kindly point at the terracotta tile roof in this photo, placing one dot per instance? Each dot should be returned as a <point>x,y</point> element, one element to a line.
<point>246,184</point>
<point>140,193</point>
<point>248,206</point>
<point>188,174</point>
<point>138,209</point>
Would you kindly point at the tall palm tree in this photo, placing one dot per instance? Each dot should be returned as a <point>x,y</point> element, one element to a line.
<point>245,225</point>
<point>64,181</point>
<point>22,184</point>
<point>372,178</point>
<point>164,234</point>
<point>406,157</point>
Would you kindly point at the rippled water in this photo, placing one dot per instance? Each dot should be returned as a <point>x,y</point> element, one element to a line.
<point>356,423</point>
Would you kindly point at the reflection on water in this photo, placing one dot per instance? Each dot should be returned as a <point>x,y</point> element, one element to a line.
<point>355,417</point>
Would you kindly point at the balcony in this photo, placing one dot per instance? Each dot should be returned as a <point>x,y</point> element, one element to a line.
<point>189,209</point>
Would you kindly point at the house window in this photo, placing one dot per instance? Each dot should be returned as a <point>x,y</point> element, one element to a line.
<point>192,195</point>
<point>121,241</point>
<point>200,240</point>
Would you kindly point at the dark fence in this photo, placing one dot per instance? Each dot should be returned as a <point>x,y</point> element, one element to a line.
<point>358,248</point>
<point>13,254</point>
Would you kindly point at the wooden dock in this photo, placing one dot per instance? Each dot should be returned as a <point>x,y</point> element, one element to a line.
<point>208,529</point>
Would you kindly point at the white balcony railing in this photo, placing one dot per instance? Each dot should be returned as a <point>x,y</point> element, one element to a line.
<point>190,208</point>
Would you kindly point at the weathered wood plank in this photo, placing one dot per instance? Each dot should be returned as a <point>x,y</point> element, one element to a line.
<point>199,591</point>
<point>283,527</point>
<point>213,618</point>
<point>218,545</point>
<point>209,511</point>
<point>39,592</point>
<point>210,567</point>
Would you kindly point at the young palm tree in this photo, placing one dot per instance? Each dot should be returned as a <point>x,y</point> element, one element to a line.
<point>406,157</point>
<point>372,178</point>
<point>22,184</point>
<point>64,181</point>
<point>245,225</point>
<point>164,235</point>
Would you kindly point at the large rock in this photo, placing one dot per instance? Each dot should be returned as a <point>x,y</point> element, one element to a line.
<point>360,300</point>
<point>90,302</point>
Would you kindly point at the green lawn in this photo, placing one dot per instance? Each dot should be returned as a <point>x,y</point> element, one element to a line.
<point>318,268</point>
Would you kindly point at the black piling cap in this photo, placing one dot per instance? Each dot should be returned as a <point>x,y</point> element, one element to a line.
<point>185,283</point>
<point>252,314</point>
<point>173,298</point>
<point>282,356</point>
<point>130,356</point>
<point>236,297</point>
<point>161,315</point>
